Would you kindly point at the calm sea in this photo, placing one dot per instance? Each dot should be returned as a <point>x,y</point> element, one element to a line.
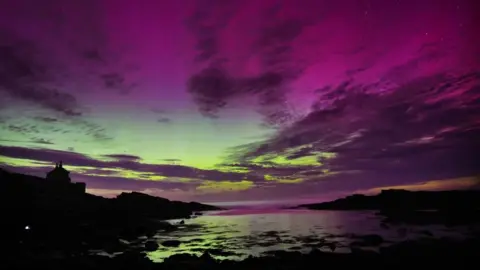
<point>236,234</point>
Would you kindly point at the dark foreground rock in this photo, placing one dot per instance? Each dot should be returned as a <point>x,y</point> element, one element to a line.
<point>171,243</point>
<point>151,246</point>
<point>50,216</point>
<point>425,253</point>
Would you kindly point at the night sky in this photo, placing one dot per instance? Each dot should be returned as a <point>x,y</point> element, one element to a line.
<point>252,100</point>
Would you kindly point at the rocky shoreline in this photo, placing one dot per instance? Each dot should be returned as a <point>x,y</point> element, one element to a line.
<point>427,252</point>
<point>42,217</point>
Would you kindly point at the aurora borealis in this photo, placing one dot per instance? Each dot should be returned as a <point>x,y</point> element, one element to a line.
<point>242,100</point>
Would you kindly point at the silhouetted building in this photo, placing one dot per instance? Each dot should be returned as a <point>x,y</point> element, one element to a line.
<point>59,174</point>
<point>59,180</point>
<point>56,192</point>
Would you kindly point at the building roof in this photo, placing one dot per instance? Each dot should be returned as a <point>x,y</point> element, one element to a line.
<point>59,169</point>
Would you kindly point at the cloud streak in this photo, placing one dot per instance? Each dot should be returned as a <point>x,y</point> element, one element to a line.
<point>218,83</point>
<point>121,162</point>
<point>425,123</point>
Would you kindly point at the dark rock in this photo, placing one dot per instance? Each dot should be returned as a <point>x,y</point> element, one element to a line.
<point>269,234</point>
<point>132,258</point>
<point>171,243</point>
<point>432,252</point>
<point>372,239</point>
<point>426,232</point>
<point>207,258</point>
<point>42,213</point>
<point>181,258</point>
<point>331,245</point>
<point>397,200</point>
<point>316,252</point>
<point>220,252</point>
<point>151,246</point>
<point>368,241</point>
<point>361,252</point>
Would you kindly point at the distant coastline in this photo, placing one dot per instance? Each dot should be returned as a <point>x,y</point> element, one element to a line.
<point>402,199</point>
<point>454,207</point>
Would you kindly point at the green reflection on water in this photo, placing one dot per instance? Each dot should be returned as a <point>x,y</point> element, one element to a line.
<point>235,236</point>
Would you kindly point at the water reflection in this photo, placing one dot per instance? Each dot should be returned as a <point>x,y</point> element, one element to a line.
<point>236,234</point>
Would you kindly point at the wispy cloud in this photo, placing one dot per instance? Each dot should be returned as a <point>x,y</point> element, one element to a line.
<point>225,186</point>
<point>121,162</point>
<point>164,120</point>
<point>216,84</point>
<point>47,67</point>
<point>46,119</point>
<point>123,157</point>
<point>433,185</point>
<point>41,141</point>
<point>425,123</point>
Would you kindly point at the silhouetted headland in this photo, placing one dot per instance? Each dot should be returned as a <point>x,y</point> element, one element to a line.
<point>452,207</point>
<point>57,214</point>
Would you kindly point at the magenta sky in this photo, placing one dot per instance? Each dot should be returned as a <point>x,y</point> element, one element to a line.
<point>242,100</point>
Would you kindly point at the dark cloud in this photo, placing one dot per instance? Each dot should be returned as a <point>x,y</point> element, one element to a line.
<point>410,69</point>
<point>164,120</point>
<point>5,140</point>
<point>117,81</point>
<point>3,119</point>
<point>112,182</point>
<point>34,140</point>
<point>172,160</point>
<point>206,22</point>
<point>159,111</point>
<point>76,159</point>
<point>24,129</point>
<point>93,55</point>
<point>112,80</point>
<point>41,141</point>
<point>353,72</point>
<point>46,119</point>
<point>47,125</point>
<point>47,155</point>
<point>428,125</point>
<point>123,157</point>
<point>24,76</point>
<point>214,86</point>
<point>96,131</point>
<point>279,170</point>
<point>47,68</point>
<point>64,54</point>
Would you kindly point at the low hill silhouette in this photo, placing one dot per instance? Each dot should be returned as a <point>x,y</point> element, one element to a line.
<point>37,212</point>
<point>451,207</point>
<point>29,194</point>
